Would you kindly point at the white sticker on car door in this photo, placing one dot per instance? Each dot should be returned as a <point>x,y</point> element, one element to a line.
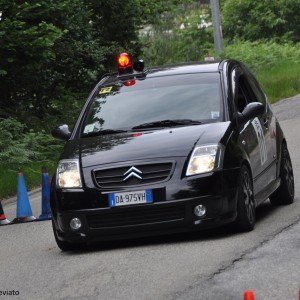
<point>261,140</point>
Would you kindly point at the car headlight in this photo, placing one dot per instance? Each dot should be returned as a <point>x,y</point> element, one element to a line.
<point>68,174</point>
<point>205,159</point>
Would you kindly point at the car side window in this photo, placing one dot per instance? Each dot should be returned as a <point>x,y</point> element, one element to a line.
<point>244,93</point>
<point>261,97</point>
<point>258,94</point>
<point>241,101</point>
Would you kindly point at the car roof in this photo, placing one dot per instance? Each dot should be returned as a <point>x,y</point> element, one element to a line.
<point>169,70</point>
<point>186,68</point>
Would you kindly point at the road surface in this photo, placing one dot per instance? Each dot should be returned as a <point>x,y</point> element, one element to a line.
<point>217,265</point>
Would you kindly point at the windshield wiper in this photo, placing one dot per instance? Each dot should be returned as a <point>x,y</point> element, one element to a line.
<point>103,132</point>
<point>167,123</point>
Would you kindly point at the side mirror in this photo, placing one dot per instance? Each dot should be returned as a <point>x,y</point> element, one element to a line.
<point>252,110</point>
<point>61,132</point>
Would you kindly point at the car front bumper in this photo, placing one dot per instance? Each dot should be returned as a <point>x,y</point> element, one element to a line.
<point>169,213</point>
<point>181,218</point>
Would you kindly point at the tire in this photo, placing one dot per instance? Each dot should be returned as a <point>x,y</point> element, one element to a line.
<point>284,195</point>
<point>245,220</point>
<point>66,246</point>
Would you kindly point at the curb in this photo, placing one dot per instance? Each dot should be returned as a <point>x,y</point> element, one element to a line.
<point>14,199</point>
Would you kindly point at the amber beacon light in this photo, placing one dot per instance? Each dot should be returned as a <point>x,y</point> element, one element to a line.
<point>124,63</point>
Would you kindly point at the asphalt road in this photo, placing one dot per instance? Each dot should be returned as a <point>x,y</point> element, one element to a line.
<point>213,265</point>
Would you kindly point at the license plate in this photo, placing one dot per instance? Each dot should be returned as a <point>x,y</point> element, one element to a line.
<point>130,198</point>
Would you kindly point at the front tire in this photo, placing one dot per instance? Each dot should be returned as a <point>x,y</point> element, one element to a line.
<point>245,220</point>
<point>284,195</point>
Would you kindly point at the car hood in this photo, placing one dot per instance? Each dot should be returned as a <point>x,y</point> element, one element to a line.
<point>164,143</point>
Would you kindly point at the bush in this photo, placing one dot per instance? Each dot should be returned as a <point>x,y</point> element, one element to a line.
<point>32,175</point>
<point>262,19</point>
<point>281,80</point>
<point>175,48</point>
<point>262,55</point>
<point>19,147</point>
<point>187,37</point>
<point>275,65</point>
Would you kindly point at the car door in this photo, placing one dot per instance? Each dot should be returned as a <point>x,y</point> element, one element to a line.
<point>251,136</point>
<point>268,125</point>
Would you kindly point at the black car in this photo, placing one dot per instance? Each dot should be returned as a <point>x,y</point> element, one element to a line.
<point>169,149</point>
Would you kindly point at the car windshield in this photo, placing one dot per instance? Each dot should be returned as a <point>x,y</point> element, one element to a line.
<point>168,101</point>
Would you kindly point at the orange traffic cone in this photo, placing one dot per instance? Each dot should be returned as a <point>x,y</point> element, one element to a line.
<point>249,295</point>
<point>3,220</point>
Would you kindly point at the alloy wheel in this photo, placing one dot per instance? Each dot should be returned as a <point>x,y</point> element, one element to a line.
<point>288,174</point>
<point>248,197</point>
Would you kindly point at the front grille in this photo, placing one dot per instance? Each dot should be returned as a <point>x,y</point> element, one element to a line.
<point>149,173</point>
<point>136,216</point>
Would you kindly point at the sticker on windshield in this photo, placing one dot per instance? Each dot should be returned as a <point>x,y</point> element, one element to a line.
<point>89,128</point>
<point>215,114</point>
<point>105,90</point>
<point>261,140</point>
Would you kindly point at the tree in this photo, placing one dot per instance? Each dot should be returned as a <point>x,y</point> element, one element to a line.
<point>262,19</point>
<point>24,47</point>
<point>182,33</point>
<point>53,52</point>
<point>115,24</point>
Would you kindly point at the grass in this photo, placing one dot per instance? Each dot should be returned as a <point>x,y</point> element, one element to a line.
<point>32,175</point>
<point>281,80</point>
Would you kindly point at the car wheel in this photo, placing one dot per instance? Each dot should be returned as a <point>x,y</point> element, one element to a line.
<point>65,246</point>
<point>285,193</point>
<point>245,220</point>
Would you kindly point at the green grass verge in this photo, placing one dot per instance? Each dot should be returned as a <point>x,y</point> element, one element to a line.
<point>281,80</point>
<point>32,175</point>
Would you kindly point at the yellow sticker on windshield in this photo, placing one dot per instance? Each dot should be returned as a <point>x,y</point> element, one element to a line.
<point>105,90</point>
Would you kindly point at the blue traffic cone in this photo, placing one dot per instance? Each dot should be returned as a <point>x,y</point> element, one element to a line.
<point>3,220</point>
<point>46,212</point>
<point>24,213</point>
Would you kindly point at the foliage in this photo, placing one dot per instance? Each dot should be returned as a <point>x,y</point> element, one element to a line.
<point>18,147</point>
<point>27,44</point>
<point>114,24</point>
<point>160,12</point>
<point>54,52</point>
<point>262,19</point>
<point>258,55</point>
<point>275,65</point>
<point>187,37</point>
<point>32,175</point>
<point>280,81</point>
